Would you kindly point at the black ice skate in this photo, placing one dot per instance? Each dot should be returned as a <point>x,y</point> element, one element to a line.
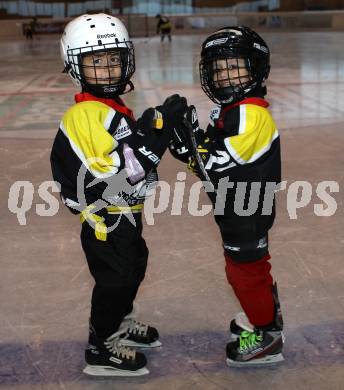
<point>241,323</point>
<point>139,335</point>
<point>255,348</point>
<point>110,358</point>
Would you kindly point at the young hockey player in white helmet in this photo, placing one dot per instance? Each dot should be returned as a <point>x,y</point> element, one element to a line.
<point>241,146</point>
<point>115,156</point>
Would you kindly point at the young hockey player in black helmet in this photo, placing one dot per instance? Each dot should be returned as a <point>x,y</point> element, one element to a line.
<point>240,147</point>
<point>105,161</point>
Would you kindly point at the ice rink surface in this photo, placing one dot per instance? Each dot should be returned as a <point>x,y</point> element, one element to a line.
<point>45,284</point>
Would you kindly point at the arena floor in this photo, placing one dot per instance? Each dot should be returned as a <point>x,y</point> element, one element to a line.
<point>45,284</point>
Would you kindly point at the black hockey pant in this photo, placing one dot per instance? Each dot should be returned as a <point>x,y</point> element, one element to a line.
<point>118,266</point>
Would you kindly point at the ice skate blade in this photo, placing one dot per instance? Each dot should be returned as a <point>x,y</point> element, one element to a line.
<point>111,371</point>
<point>266,361</point>
<point>130,343</point>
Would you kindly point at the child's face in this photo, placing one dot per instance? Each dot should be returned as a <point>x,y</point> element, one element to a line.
<point>102,67</point>
<point>229,72</point>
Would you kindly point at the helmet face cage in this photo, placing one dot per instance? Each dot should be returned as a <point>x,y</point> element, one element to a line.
<point>107,70</point>
<point>226,79</point>
<point>234,61</point>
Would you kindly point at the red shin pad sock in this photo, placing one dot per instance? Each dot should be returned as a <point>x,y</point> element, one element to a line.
<point>252,284</point>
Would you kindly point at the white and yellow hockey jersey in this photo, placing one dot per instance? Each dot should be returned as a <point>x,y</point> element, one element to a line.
<point>91,149</point>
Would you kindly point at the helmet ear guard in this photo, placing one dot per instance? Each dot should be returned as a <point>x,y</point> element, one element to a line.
<point>68,69</point>
<point>231,44</point>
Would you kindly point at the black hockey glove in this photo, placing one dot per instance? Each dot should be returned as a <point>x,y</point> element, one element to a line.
<point>180,146</point>
<point>174,108</point>
<point>192,118</point>
<point>156,125</point>
<point>151,138</point>
<point>152,120</point>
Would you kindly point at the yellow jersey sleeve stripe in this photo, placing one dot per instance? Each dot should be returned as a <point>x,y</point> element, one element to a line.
<point>83,125</point>
<point>257,131</point>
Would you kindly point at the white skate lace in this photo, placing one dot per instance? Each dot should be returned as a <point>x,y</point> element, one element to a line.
<point>137,327</point>
<point>113,344</point>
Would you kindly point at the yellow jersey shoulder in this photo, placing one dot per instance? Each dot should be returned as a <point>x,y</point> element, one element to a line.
<point>85,125</point>
<point>87,116</point>
<point>257,131</point>
<point>89,108</point>
<point>257,118</point>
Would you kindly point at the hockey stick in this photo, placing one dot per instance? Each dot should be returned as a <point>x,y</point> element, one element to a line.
<point>196,155</point>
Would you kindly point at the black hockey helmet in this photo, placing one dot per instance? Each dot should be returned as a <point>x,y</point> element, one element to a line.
<point>235,60</point>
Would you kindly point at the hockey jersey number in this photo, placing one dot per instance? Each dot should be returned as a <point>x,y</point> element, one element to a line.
<point>222,158</point>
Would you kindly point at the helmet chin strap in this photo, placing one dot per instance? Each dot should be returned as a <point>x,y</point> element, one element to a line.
<point>229,94</point>
<point>99,92</point>
<point>232,94</point>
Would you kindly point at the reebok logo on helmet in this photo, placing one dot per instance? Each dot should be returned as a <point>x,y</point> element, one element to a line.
<point>218,41</point>
<point>112,35</point>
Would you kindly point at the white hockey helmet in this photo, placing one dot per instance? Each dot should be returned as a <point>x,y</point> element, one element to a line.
<point>89,34</point>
